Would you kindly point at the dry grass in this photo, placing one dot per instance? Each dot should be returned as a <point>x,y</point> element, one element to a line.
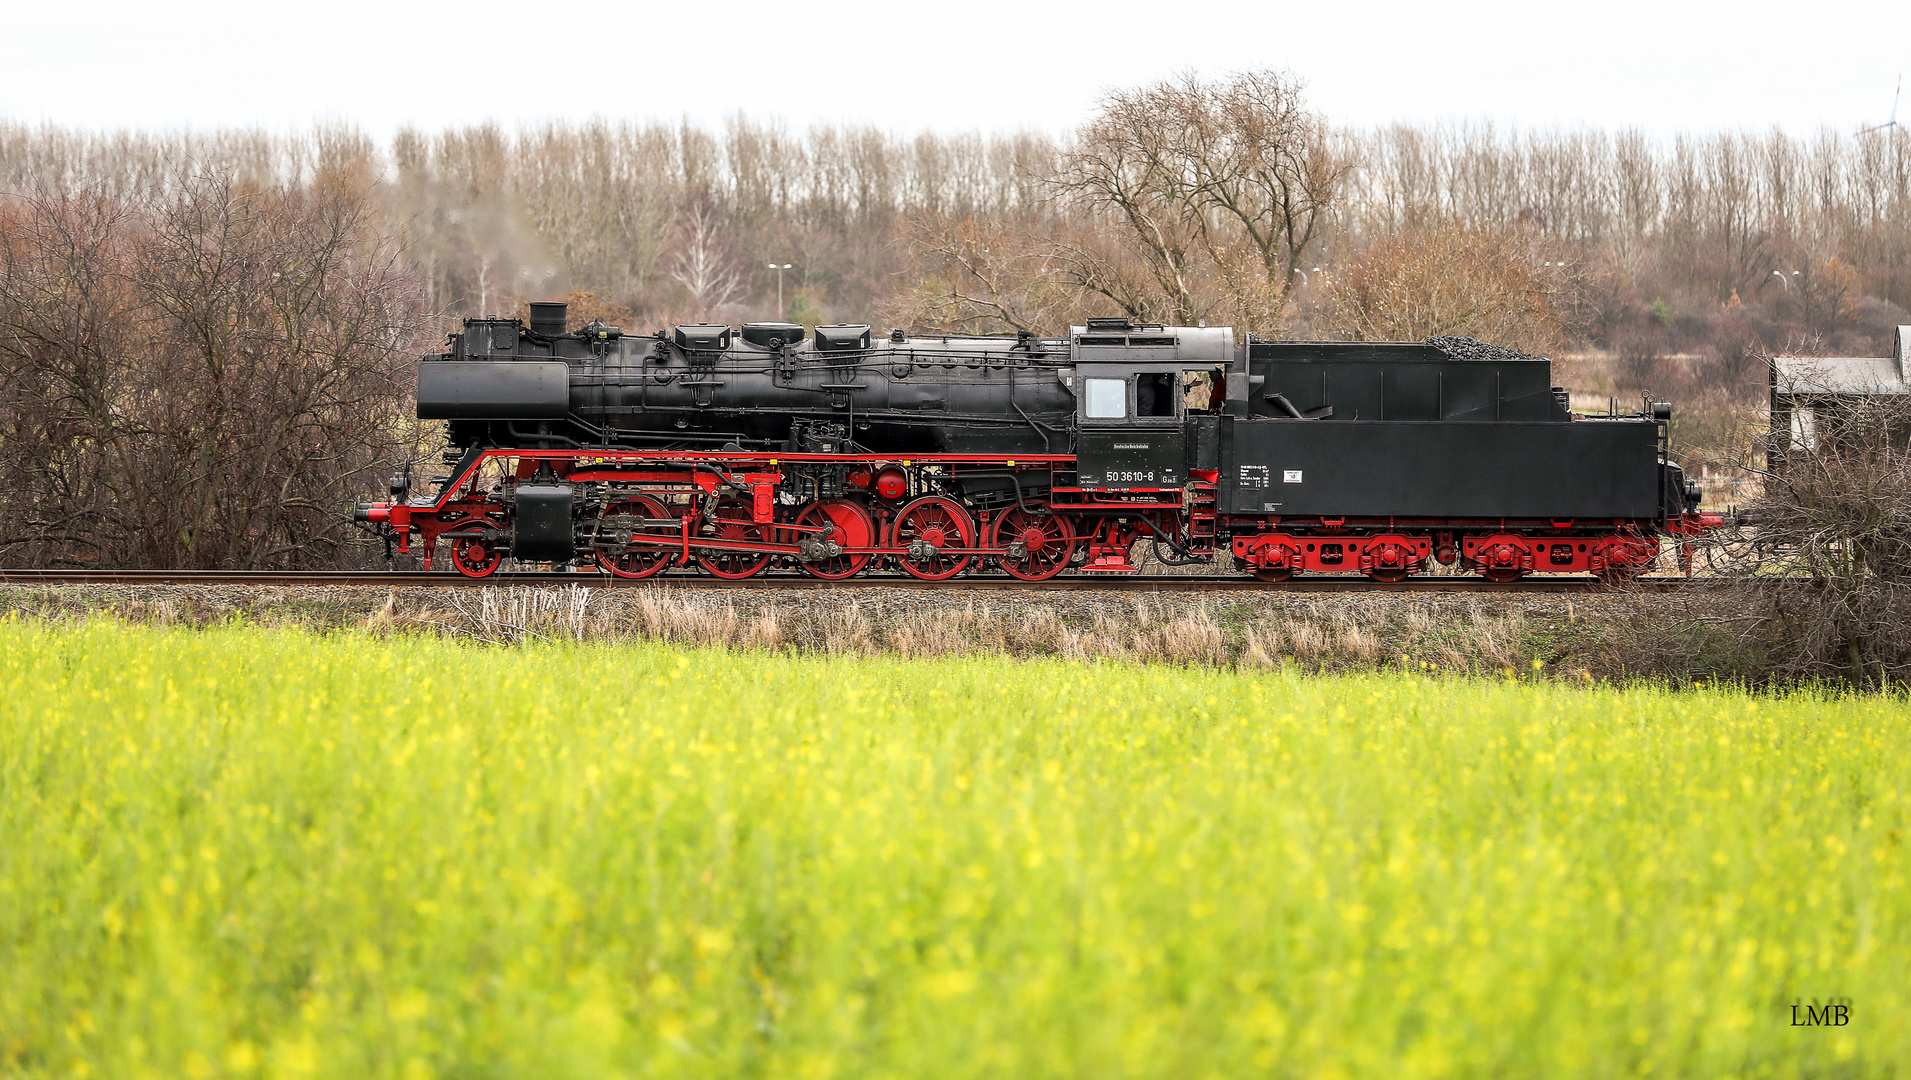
<point>1134,630</point>
<point>1312,633</point>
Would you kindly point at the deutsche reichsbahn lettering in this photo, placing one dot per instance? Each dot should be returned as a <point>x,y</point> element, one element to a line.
<point>1835,1012</point>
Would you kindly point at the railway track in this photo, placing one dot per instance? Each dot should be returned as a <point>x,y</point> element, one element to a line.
<point>1138,583</point>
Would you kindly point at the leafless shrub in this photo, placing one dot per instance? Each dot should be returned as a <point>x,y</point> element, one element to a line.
<point>1511,286</point>
<point>1833,524</point>
<point>986,275</point>
<point>204,381</point>
<point>1641,356</point>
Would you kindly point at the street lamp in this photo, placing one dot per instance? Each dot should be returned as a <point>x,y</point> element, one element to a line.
<point>1783,280</point>
<point>779,286</point>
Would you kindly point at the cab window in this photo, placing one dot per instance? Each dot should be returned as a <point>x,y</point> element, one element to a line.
<point>1105,399</point>
<point>1154,395</point>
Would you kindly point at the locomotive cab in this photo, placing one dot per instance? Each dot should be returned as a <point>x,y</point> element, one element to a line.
<point>1148,394</point>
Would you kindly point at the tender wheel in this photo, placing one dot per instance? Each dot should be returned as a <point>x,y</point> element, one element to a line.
<point>1048,543</point>
<point>844,524</point>
<point>1392,557</point>
<point>1269,557</point>
<point>628,561</point>
<point>729,520</point>
<point>1622,558</point>
<point>1501,557</point>
<point>938,530</point>
<point>472,556</point>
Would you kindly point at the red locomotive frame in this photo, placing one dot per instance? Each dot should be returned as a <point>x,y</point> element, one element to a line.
<point>733,514</point>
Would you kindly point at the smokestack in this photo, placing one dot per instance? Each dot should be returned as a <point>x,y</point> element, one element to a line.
<point>548,318</point>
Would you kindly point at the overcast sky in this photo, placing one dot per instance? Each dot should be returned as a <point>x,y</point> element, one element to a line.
<point>970,64</point>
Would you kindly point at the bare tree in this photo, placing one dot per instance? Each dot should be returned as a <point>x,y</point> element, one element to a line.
<point>1227,184</point>
<point>981,276</point>
<point>704,265</point>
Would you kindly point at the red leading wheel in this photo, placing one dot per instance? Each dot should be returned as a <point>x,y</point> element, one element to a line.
<point>635,515</point>
<point>730,521</point>
<point>938,533</point>
<point>839,524</point>
<point>1047,543</point>
<point>475,556</point>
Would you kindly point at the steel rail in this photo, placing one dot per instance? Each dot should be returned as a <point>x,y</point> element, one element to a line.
<point>786,580</point>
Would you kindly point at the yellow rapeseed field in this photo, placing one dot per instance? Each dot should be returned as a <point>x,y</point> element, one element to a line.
<point>244,852</point>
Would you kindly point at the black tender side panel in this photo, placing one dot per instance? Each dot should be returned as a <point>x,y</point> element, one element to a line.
<point>509,390</point>
<point>1585,469</point>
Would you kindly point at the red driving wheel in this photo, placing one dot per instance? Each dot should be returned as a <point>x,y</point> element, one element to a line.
<point>730,520</point>
<point>938,523</point>
<point>1048,542</point>
<point>839,522</point>
<point>631,560</point>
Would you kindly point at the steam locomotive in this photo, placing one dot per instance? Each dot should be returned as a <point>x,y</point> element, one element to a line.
<point>835,452</point>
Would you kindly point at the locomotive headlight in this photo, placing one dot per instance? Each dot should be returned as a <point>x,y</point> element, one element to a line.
<point>1662,410</point>
<point>1693,493</point>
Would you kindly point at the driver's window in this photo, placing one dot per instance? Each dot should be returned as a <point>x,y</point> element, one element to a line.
<point>1105,399</point>
<point>1154,395</point>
